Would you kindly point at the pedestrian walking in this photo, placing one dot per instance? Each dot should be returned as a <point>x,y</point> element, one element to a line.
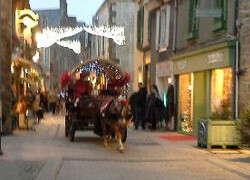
<point>132,105</point>
<point>140,105</point>
<point>38,110</point>
<point>154,108</point>
<point>52,101</point>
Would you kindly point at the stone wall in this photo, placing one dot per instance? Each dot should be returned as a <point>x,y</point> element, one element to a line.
<point>244,37</point>
<point>5,73</point>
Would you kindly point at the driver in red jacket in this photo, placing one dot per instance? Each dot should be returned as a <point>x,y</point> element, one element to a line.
<point>82,87</point>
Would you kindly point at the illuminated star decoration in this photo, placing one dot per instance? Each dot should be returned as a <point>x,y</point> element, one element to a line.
<point>50,36</point>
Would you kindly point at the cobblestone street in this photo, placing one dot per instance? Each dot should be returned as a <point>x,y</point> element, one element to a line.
<point>47,154</point>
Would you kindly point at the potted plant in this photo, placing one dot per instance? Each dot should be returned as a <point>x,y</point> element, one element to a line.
<point>219,130</point>
<point>243,127</point>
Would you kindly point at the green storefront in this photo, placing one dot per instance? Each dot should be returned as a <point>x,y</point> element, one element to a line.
<point>204,81</point>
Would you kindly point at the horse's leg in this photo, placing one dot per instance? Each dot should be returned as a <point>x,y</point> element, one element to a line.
<point>109,137</point>
<point>104,132</point>
<point>119,139</point>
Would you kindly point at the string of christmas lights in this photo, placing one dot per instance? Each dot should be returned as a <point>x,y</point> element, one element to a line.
<point>50,36</point>
<point>74,45</point>
<point>113,32</point>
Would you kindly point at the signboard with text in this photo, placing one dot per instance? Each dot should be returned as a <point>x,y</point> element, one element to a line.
<point>214,58</point>
<point>216,13</point>
<point>164,69</point>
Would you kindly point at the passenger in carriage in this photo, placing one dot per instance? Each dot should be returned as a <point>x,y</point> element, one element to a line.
<point>82,87</point>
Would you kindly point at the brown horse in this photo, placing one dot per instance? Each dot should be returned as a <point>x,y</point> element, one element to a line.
<point>109,114</point>
<point>115,117</point>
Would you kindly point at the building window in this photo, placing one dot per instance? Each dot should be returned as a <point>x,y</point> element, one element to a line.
<point>162,28</point>
<point>193,26</point>
<point>220,23</point>
<point>140,25</point>
<point>86,40</point>
<point>149,26</point>
<point>221,90</point>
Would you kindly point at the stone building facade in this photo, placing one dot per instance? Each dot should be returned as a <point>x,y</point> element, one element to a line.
<point>56,59</point>
<point>204,62</point>
<point>155,40</point>
<point>244,58</point>
<point>119,13</point>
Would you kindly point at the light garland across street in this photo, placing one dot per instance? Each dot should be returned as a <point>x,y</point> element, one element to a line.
<point>71,44</point>
<point>50,36</point>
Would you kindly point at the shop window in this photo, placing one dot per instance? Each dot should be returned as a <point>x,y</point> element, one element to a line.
<point>220,23</point>
<point>221,90</point>
<point>193,26</point>
<point>140,24</point>
<point>186,102</point>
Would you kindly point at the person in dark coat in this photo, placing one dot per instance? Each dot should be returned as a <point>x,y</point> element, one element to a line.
<point>140,105</point>
<point>132,101</point>
<point>154,108</point>
<point>170,104</point>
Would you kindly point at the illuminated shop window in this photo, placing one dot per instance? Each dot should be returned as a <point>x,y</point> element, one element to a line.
<point>186,102</point>
<point>221,89</point>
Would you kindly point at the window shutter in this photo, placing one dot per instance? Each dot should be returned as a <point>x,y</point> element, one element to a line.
<point>168,12</point>
<point>140,25</point>
<point>149,26</point>
<point>221,22</point>
<point>157,30</point>
<point>193,26</point>
<point>162,26</point>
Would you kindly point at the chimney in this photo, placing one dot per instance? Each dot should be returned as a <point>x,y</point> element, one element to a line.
<point>63,8</point>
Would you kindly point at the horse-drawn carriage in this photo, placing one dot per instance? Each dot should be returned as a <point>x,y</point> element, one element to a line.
<point>104,109</point>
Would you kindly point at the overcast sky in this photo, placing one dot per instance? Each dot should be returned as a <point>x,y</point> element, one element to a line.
<point>82,9</point>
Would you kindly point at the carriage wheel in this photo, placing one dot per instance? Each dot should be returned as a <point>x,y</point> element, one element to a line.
<point>66,126</point>
<point>72,132</point>
<point>125,136</point>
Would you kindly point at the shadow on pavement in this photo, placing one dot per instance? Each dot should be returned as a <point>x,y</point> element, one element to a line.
<point>92,140</point>
<point>243,160</point>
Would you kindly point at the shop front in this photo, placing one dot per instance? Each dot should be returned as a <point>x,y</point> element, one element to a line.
<point>26,76</point>
<point>204,81</point>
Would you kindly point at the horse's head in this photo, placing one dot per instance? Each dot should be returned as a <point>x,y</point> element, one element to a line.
<point>123,112</point>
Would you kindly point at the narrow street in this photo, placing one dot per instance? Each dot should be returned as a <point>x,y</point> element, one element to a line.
<point>46,154</point>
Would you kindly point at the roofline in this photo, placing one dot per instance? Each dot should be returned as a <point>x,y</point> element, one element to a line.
<point>104,2</point>
<point>39,10</point>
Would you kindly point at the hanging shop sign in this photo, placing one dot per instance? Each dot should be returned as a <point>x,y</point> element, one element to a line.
<point>164,69</point>
<point>216,13</point>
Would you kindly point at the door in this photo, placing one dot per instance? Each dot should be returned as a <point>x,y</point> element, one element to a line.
<point>199,99</point>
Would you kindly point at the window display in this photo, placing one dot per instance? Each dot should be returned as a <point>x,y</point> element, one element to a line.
<point>221,89</point>
<point>186,102</point>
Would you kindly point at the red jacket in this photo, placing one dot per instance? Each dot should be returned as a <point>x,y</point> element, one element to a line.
<point>82,87</point>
